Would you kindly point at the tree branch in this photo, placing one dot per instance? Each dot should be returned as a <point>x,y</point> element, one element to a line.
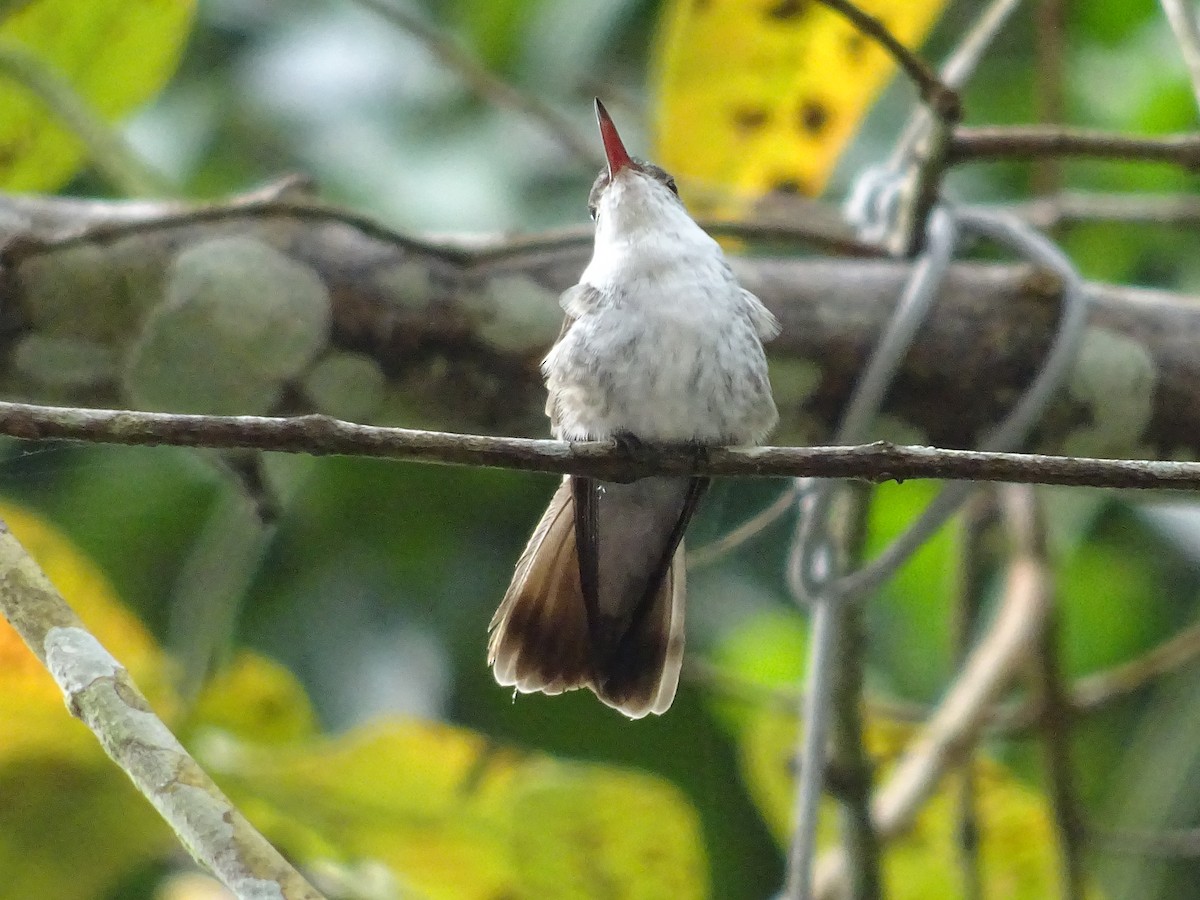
<point>318,435</point>
<point>961,715</point>
<point>1071,208</point>
<point>452,330</point>
<point>1039,141</point>
<point>99,692</point>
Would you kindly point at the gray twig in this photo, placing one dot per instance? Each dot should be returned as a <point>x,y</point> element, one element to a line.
<point>814,569</point>
<point>1070,208</point>
<point>1049,72</point>
<point>720,547</point>
<point>851,770</point>
<point>922,147</point>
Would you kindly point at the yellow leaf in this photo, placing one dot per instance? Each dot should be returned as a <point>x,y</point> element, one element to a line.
<point>114,53</point>
<point>71,828</point>
<point>431,807</point>
<point>456,817</point>
<point>763,96</point>
<point>586,831</point>
<point>32,714</point>
<point>62,799</point>
<point>256,699</point>
<point>1017,843</point>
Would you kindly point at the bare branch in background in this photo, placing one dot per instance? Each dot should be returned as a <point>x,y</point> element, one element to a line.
<point>1053,705</point>
<point>1073,208</point>
<point>1040,141</point>
<point>961,716</point>
<point>976,525</point>
<point>1185,23</point>
<point>849,770</point>
<point>1050,82</point>
<point>921,149</point>
<point>1165,843</point>
<point>99,692</point>
<point>455,328</point>
<point>487,85</point>
<point>715,550</point>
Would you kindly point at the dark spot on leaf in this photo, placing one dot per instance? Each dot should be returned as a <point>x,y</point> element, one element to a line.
<point>788,9</point>
<point>789,186</point>
<point>749,118</point>
<point>814,116</point>
<point>855,46</point>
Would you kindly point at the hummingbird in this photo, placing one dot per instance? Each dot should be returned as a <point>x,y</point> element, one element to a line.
<point>660,345</point>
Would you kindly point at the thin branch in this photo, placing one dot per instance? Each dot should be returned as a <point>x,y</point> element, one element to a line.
<point>99,692</point>
<point>1071,208</point>
<point>1182,16</point>
<point>1164,843</point>
<point>921,149</point>
<point>1050,78</point>
<point>962,714</point>
<point>1086,694</point>
<point>1095,691</point>
<point>958,69</point>
<point>486,84</point>
<point>98,222</point>
<point>1037,141</point>
<point>850,770</point>
<point>318,435</point>
<point>106,149</point>
<point>721,547</point>
<point>1053,705</point>
<point>942,100</point>
<point>976,525</point>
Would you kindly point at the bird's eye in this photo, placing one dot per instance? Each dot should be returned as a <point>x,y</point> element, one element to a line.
<point>671,185</point>
<point>592,212</point>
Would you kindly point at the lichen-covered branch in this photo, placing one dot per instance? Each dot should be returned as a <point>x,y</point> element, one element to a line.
<point>99,692</point>
<point>273,304</point>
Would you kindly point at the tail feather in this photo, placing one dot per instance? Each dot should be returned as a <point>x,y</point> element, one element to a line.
<point>541,638</point>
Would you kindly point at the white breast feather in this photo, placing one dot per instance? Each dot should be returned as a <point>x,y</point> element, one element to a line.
<point>666,345</point>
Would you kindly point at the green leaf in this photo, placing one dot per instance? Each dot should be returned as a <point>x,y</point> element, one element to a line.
<point>454,816</point>
<point>72,827</point>
<point>115,54</point>
<point>910,619</point>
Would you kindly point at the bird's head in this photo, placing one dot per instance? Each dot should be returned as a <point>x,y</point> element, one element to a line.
<point>629,194</point>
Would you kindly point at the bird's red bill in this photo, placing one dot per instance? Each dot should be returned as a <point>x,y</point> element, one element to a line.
<point>614,150</point>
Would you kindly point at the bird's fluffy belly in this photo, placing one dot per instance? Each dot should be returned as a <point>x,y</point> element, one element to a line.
<point>660,379</point>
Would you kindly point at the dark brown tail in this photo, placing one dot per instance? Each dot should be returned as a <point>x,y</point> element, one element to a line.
<point>541,639</point>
